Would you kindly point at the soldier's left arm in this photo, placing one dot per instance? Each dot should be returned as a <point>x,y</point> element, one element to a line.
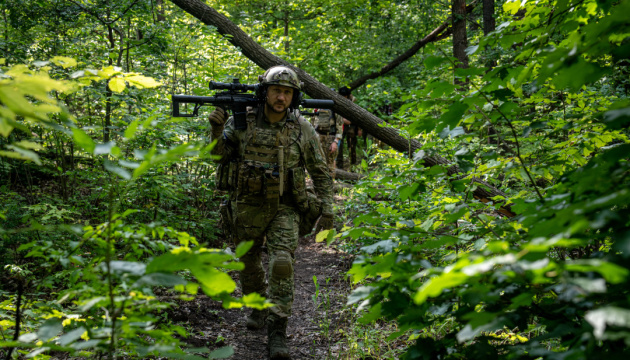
<point>315,163</point>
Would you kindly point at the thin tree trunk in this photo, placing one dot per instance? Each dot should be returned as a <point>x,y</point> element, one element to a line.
<point>460,39</point>
<point>346,108</point>
<point>108,92</point>
<point>489,25</point>
<point>127,60</point>
<point>160,10</point>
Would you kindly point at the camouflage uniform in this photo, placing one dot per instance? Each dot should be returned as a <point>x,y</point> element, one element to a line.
<point>258,211</point>
<point>329,126</point>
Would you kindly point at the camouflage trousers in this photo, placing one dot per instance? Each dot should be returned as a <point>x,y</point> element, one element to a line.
<point>282,239</point>
<point>326,141</point>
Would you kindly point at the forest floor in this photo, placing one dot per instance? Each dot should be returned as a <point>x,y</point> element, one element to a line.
<point>316,328</point>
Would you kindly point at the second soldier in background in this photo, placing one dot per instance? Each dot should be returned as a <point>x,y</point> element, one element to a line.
<point>329,126</point>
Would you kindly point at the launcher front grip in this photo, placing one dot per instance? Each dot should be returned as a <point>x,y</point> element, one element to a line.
<point>317,104</point>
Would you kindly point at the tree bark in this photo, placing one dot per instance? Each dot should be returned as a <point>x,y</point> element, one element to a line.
<point>489,25</point>
<point>346,108</point>
<point>460,38</point>
<point>160,10</point>
<point>349,176</point>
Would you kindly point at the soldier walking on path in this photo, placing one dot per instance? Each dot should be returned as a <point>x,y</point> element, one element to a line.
<point>263,165</point>
<point>350,132</point>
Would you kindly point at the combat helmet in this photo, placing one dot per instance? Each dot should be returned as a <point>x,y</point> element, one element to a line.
<point>283,76</point>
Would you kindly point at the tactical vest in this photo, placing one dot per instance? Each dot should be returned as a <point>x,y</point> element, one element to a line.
<point>260,171</point>
<point>259,179</point>
<point>325,122</point>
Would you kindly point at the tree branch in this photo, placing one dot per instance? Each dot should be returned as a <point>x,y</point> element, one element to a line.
<point>441,32</point>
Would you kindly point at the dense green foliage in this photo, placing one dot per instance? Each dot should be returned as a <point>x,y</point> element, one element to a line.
<point>106,198</point>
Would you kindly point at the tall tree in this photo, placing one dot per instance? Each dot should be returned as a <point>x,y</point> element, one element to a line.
<point>460,38</point>
<point>489,25</point>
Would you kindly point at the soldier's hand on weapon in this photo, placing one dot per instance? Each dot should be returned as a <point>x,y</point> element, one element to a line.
<point>217,117</point>
<point>325,222</point>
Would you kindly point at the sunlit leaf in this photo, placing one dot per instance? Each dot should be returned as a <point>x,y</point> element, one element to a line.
<point>117,84</point>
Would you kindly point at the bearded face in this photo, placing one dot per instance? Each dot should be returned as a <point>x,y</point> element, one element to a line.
<point>279,98</point>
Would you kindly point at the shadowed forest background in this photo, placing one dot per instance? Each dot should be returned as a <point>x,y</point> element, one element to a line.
<point>487,216</point>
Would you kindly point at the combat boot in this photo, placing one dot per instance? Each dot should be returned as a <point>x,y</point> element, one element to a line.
<point>277,339</point>
<point>257,319</point>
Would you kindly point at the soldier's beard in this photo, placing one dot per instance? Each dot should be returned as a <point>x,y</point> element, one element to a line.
<point>273,108</point>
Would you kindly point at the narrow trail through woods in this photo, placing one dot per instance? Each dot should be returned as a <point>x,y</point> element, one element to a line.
<point>313,331</point>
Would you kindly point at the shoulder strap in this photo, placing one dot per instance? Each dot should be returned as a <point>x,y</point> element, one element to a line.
<point>252,115</point>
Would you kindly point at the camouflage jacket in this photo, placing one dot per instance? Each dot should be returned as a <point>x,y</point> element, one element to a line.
<point>296,135</point>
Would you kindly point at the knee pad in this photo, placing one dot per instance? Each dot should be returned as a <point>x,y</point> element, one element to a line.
<point>282,266</point>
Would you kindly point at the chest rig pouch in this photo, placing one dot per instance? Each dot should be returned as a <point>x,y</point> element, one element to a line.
<point>326,122</point>
<point>262,179</point>
<point>261,171</point>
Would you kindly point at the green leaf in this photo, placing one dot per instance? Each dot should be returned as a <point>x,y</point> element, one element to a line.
<point>434,286</point>
<point>471,50</point>
<point>130,133</point>
<point>49,329</point>
<point>431,62</point>
<point>40,63</point>
<point>109,166</point>
<point>71,336</point>
<point>161,279</point>
<point>213,282</point>
<point>117,85</point>
<point>322,235</point>
<point>142,82</point>
<point>242,248</point>
<point>83,140</point>
<point>613,273</point>
<point>607,316</point>
<point>5,125</point>
<point>406,191</point>
<point>133,268</point>
<point>617,119</point>
<point>256,301</point>
<point>452,117</point>
<point>108,72</point>
<point>222,353</point>
<point>359,294</point>
<point>105,148</point>
<point>383,246</point>
<point>21,154</point>
<point>64,62</point>
<point>512,6</point>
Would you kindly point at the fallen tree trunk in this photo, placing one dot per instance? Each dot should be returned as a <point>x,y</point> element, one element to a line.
<point>349,176</point>
<point>365,119</point>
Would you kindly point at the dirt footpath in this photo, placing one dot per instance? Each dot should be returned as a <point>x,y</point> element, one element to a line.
<point>313,331</point>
